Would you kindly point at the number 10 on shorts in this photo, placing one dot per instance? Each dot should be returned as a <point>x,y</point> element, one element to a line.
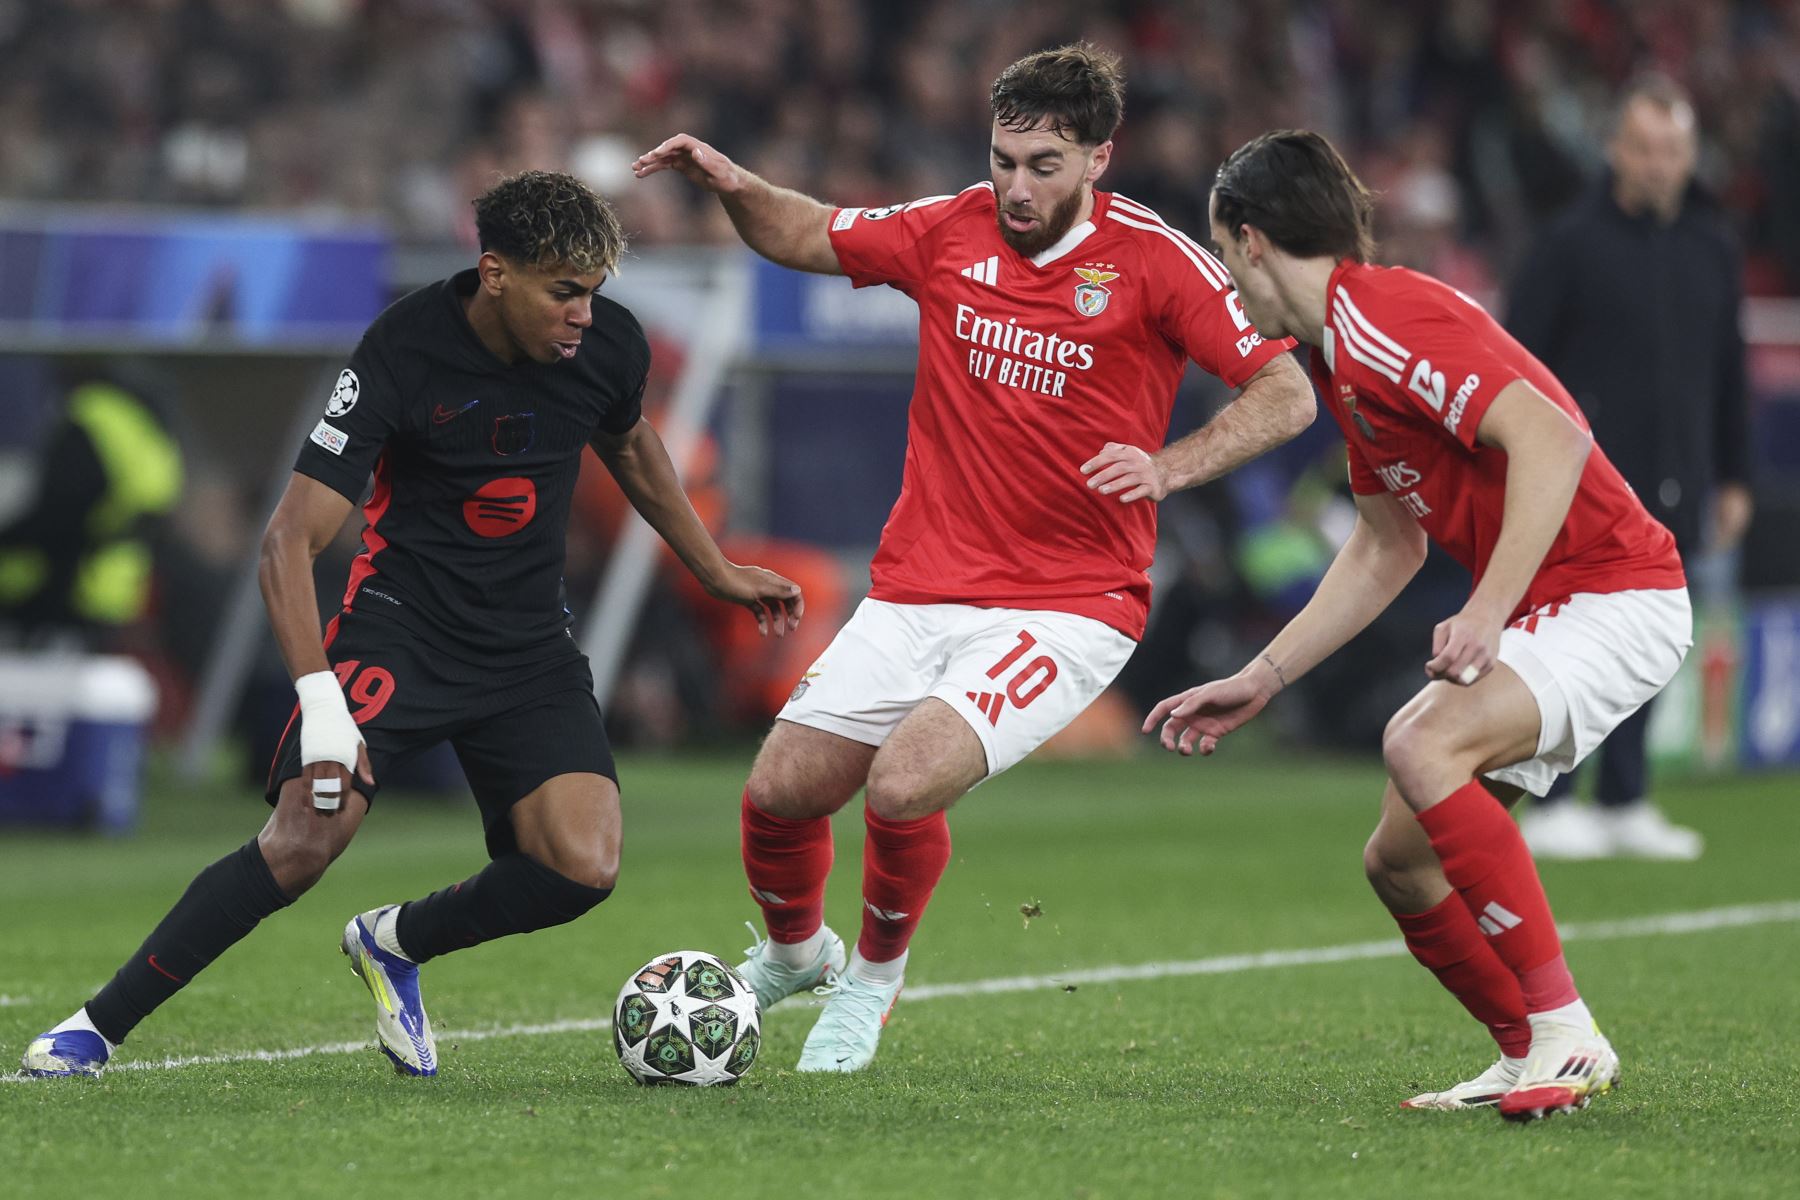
<point>1025,685</point>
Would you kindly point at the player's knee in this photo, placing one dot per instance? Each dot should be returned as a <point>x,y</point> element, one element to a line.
<point>558,891</point>
<point>295,862</point>
<point>898,795</point>
<point>1407,744</point>
<point>779,789</point>
<point>589,864</point>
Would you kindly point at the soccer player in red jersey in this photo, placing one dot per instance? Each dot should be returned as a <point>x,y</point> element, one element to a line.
<point>1579,612</point>
<point>1010,586</point>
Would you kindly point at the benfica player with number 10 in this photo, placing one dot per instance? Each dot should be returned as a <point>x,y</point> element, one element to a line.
<point>1579,613</point>
<point>1055,321</point>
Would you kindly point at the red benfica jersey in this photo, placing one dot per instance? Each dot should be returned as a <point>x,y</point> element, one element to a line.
<point>1408,368</point>
<point>1027,366</point>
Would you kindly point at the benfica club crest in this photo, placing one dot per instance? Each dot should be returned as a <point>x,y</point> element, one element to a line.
<point>1091,294</point>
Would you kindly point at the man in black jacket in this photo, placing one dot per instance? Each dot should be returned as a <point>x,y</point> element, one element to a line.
<point>1632,299</point>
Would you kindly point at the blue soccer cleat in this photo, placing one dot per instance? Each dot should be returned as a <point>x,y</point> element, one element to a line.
<point>401,1026</point>
<point>61,1053</point>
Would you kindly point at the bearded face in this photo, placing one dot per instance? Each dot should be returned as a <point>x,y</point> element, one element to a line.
<point>1043,180</point>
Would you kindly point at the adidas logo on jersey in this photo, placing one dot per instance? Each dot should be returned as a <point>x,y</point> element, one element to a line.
<point>990,704</point>
<point>984,272</point>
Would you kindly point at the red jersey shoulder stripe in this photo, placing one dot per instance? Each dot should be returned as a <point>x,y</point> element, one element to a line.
<point>1215,268</point>
<point>1130,212</point>
<point>1360,350</point>
<point>1367,327</point>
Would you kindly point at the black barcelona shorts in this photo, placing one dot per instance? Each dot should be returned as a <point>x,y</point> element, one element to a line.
<point>512,726</point>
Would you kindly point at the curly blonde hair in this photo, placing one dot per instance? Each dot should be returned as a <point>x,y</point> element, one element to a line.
<point>547,218</point>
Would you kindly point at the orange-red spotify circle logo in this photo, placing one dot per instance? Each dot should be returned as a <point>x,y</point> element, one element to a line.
<point>501,507</point>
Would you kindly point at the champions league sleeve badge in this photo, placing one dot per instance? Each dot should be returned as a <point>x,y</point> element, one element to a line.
<point>344,394</point>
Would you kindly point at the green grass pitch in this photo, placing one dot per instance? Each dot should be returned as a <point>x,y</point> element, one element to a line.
<point>1274,1080</point>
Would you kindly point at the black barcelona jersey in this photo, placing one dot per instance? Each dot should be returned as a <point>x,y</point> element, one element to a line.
<point>474,462</point>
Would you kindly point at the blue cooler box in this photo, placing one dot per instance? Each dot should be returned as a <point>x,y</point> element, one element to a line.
<point>72,731</point>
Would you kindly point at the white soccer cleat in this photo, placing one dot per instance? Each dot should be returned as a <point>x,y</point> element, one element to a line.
<point>1483,1091</point>
<point>65,1052</point>
<point>847,1032</point>
<point>1641,831</point>
<point>401,1026</point>
<point>1566,831</point>
<point>1568,1066</point>
<point>775,981</point>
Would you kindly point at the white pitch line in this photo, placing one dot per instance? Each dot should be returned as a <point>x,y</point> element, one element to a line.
<point>15,1001</point>
<point>1698,921</point>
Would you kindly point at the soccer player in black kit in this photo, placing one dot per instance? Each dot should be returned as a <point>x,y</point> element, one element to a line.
<point>471,401</point>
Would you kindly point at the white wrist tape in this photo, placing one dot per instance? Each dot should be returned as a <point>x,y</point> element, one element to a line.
<point>327,733</point>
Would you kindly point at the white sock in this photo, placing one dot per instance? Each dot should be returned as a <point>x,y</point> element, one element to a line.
<point>1517,1064</point>
<point>797,954</point>
<point>387,932</point>
<point>1575,1013</point>
<point>878,972</point>
<point>82,1021</point>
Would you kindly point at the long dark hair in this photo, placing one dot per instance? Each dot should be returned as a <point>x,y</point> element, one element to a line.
<point>1294,186</point>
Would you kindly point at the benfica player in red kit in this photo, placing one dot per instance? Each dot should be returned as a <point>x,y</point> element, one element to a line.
<point>1578,616</point>
<point>1055,323</point>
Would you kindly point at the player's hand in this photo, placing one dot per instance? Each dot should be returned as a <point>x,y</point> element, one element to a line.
<point>1132,473</point>
<point>1464,648</point>
<point>1197,718</point>
<point>324,780</point>
<point>693,158</point>
<point>331,746</point>
<point>775,599</point>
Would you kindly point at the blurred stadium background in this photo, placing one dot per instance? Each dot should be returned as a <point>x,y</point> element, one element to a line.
<point>203,202</point>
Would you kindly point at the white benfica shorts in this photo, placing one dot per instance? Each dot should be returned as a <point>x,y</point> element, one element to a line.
<point>1591,661</point>
<point>1016,676</point>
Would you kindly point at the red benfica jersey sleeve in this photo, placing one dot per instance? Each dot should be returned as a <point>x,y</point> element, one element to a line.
<point>1027,368</point>
<point>1409,368</point>
<point>1198,308</point>
<point>891,244</point>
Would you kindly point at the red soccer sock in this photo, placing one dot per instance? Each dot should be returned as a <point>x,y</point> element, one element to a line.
<point>1486,861</point>
<point>902,863</point>
<point>787,863</point>
<point>1448,943</point>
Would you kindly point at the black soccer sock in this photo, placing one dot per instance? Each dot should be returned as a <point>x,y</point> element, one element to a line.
<point>224,903</point>
<point>513,894</point>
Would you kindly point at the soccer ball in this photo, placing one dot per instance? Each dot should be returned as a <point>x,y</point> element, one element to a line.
<point>686,1017</point>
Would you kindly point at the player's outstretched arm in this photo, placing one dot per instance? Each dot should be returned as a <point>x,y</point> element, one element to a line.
<point>639,461</point>
<point>308,517</point>
<point>780,224</point>
<point>1276,404</point>
<point>1384,552</point>
<point>1546,453</point>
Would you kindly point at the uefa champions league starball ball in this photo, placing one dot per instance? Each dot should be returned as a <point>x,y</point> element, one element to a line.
<point>686,1018</point>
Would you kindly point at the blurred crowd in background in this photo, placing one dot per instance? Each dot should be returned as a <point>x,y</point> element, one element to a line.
<point>1476,118</point>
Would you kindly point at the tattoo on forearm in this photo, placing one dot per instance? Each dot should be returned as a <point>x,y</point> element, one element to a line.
<point>1275,667</point>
